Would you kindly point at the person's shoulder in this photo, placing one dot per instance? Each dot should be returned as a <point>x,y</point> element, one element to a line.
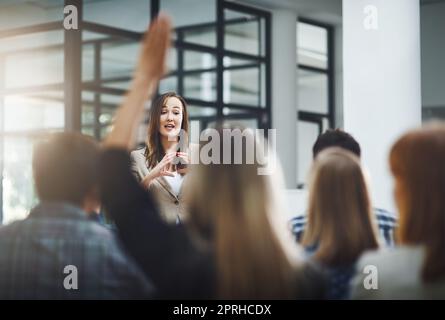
<point>396,271</point>
<point>382,254</point>
<point>138,156</point>
<point>98,228</point>
<point>299,218</point>
<point>139,152</point>
<point>298,221</point>
<point>27,227</point>
<point>392,257</point>
<point>374,262</point>
<point>107,241</point>
<point>97,235</point>
<point>7,230</point>
<point>312,282</point>
<point>385,215</point>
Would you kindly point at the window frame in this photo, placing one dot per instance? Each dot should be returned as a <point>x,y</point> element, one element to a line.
<point>316,117</point>
<point>73,85</point>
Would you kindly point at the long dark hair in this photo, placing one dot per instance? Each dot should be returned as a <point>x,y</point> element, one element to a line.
<point>154,152</point>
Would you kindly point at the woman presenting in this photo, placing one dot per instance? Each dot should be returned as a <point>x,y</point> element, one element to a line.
<point>162,164</point>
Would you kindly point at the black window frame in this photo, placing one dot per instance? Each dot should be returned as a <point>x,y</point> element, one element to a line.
<point>73,85</point>
<point>315,117</point>
<point>263,115</point>
<point>329,72</point>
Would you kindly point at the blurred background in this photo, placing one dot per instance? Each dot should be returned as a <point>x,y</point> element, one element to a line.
<point>264,63</point>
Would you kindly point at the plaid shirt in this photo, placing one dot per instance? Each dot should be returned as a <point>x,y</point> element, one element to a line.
<point>34,253</point>
<point>386,221</point>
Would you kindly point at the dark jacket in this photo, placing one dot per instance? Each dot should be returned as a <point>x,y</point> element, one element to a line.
<point>58,245</point>
<point>165,252</point>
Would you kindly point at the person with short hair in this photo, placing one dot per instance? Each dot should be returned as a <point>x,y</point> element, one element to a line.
<point>386,221</point>
<point>57,252</point>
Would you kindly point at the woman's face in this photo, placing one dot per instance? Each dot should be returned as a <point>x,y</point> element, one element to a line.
<point>171,117</point>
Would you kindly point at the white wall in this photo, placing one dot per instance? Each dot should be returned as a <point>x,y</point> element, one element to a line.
<point>296,154</point>
<point>284,95</point>
<point>16,14</point>
<point>432,31</point>
<point>338,78</point>
<point>381,83</point>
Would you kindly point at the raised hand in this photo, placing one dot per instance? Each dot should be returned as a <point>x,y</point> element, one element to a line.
<point>155,45</point>
<point>149,70</point>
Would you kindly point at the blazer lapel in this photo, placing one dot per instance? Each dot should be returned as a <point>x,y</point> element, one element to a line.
<point>166,186</point>
<point>182,185</point>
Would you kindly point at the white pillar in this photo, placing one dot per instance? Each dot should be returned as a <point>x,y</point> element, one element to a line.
<point>284,88</point>
<point>338,76</point>
<point>381,67</point>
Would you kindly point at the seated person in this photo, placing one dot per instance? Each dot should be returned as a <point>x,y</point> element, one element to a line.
<point>338,193</point>
<point>233,245</point>
<point>386,221</point>
<point>57,252</point>
<point>415,269</point>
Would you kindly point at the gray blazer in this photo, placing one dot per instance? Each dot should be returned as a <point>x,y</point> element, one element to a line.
<point>172,207</point>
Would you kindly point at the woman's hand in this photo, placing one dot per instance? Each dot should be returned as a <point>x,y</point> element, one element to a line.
<point>184,159</point>
<point>162,169</point>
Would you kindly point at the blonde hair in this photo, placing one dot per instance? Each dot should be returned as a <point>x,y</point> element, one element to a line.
<point>232,210</point>
<point>339,220</point>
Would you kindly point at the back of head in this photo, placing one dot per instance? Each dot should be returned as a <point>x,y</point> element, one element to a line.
<point>336,138</point>
<point>65,167</point>
<point>417,161</point>
<point>231,208</point>
<point>339,220</point>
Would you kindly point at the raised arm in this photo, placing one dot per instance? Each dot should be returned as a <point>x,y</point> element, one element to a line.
<point>150,68</point>
<point>156,246</point>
